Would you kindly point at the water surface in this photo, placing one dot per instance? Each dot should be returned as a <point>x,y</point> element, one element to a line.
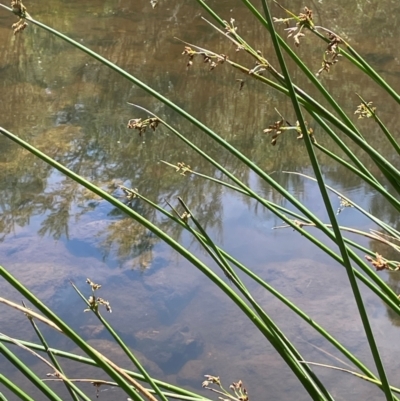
<point>75,110</point>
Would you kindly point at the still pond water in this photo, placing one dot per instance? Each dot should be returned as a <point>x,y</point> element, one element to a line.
<point>75,110</point>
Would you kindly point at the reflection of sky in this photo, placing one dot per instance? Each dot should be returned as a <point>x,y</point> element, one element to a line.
<point>170,302</point>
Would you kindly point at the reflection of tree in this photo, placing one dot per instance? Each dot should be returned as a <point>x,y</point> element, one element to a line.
<point>21,192</point>
<point>75,110</point>
<point>129,240</point>
<point>59,212</point>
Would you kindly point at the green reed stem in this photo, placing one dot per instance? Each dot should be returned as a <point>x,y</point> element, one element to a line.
<point>310,75</point>
<point>71,387</point>
<point>190,118</point>
<point>272,207</point>
<point>378,187</point>
<point>373,74</point>
<point>219,258</point>
<point>390,172</point>
<point>91,362</point>
<point>384,292</point>
<point>269,205</point>
<point>292,363</point>
<point>69,332</point>
<point>14,389</point>
<point>390,230</point>
<point>338,236</point>
<point>230,274</point>
<point>382,126</point>
<point>29,374</point>
<point>255,168</point>
<point>127,351</point>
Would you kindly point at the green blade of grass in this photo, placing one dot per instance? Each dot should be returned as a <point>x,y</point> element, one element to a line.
<point>378,187</point>
<point>87,361</point>
<point>329,209</point>
<point>28,373</point>
<point>14,389</point>
<point>278,212</point>
<point>291,354</point>
<point>385,293</point>
<point>127,351</point>
<point>382,126</point>
<point>373,74</point>
<point>102,362</point>
<point>184,114</point>
<point>71,388</point>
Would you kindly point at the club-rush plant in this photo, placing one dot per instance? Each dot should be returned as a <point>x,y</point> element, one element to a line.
<point>331,118</point>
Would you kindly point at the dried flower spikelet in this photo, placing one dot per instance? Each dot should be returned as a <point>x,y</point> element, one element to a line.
<point>240,392</point>
<point>183,168</point>
<point>285,21</point>
<point>208,57</point>
<point>331,55</point>
<point>343,204</point>
<point>186,216</point>
<point>141,125</point>
<point>327,64</point>
<point>310,131</point>
<point>129,193</point>
<point>93,285</point>
<point>105,303</point>
<point>54,374</point>
<point>20,10</point>
<point>211,380</point>
<point>19,26</point>
<point>297,38</point>
<point>230,27</point>
<point>280,126</point>
<point>213,64</point>
<point>276,129</point>
<point>304,19</point>
<point>188,51</point>
<point>334,42</point>
<point>92,304</point>
<point>379,262</point>
<point>365,110</point>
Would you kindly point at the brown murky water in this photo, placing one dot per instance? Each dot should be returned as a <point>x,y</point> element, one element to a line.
<point>76,110</point>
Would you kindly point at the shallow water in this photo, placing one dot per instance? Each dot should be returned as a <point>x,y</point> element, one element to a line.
<point>76,111</point>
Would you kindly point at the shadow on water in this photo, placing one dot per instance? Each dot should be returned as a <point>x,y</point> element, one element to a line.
<point>76,111</point>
